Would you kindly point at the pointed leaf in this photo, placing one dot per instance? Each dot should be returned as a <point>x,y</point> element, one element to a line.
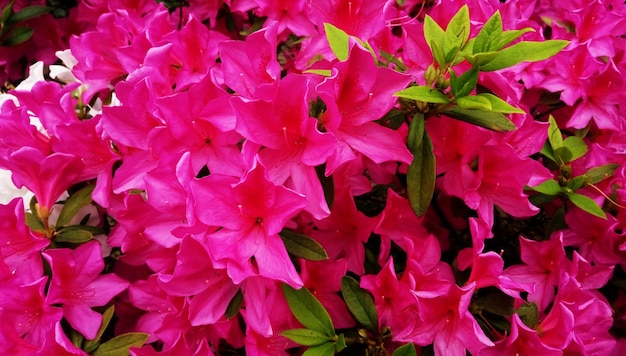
<point>587,204</point>
<point>464,84</point>
<point>576,182</point>
<point>423,93</point>
<point>490,120</point>
<point>529,313</point>
<point>438,53</point>
<point>341,343</point>
<point>308,310</point>
<point>73,234</point>
<point>479,59</point>
<point>576,146</point>
<point>34,223</point>
<point>301,245</point>
<point>507,37</point>
<point>234,305</point>
<point>547,151</point>
<point>405,350</point>
<point>526,51</point>
<point>121,344</point>
<point>499,105</point>
<point>91,345</point>
<point>458,29</point>
<point>549,187</point>
<point>74,203</point>
<point>360,303</point>
<point>474,102</point>
<point>598,174</point>
<point>554,134</point>
<point>421,176</point>
<point>306,337</point>
<point>489,33</point>
<point>28,13</point>
<point>18,36</point>
<point>327,349</point>
<point>338,40</point>
<point>434,34</point>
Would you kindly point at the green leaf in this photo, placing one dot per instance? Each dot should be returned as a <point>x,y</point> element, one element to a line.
<point>360,303</point>
<point>28,13</point>
<point>576,146</point>
<point>458,29</point>
<point>416,132</point>
<point>90,345</point>
<point>301,245</point>
<point>587,204</point>
<point>435,37</point>
<point>526,51</point>
<point>327,349</point>
<point>549,187</point>
<point>547,151</point>
<point>323,72</point>
<point>464,84</point>
<point>598,174</point>
<point>507,37</point>
<point>499,105</point>
<point>489,33</point>
<point>421,173</point>
<point>74,203</point>
<point>423,93</point>
<point>306,337</point>
<point>405,350</point>
<point>308,310</point>
<point>496,303</point>
<point>490,120</point>
<point>18,36</point>
<point>121,344</point>
<point>341,343</point>
<point>479,59</point>
<point>474,102</point>
<point>338,40</point>
<point>554,135</point>
<point>73,234</point>
<point>234,305</point>
<point>7,11</point>
<point>529,313</point>
<point>576,182</point>
<point>33,222</point>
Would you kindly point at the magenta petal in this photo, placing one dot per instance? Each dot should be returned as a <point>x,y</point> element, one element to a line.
<point>83,319</point>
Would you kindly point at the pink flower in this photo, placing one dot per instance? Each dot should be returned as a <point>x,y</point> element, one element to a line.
<point>78,286</point>
<point>251,212</point>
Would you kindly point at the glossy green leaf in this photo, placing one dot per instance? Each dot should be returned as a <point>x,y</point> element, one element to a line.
<point>549,187</point>
<point>7,11</point>
<point>576,146</point>
<point>506,37</point>
<point>489,34</point>
<point>308,310</point>
<point>576,183</point>
<point>496,303</point>
<point>463,85</point>
<point>438,53</point>
<point>490,120</point>
<point>90,345</point>
<point>587,204</point>
<point>27,13</point>
<point>499,105</point>
<point>73,234</point>
<point>405,350</point>
<point>416,132</point>
<point>600,173</point>
<point>322,72</point>
<point>234,305</point>
<point>360,303</point>
<point>546,150</point>
<point>526,51</point>
<point>421,173</point>
<point>338,40</point>
<point>434,35</point>
<point>458,29</point>
<point>474,102</point>
<point>327,349</point>
<point>423,93</point>
<point>18,36</point>
<point>529,313</point>
<point>554,134</point>
<point>301,245</point>
<point>121,344</point>
<point>74,203</point>
<point>479,59</point>
<point>306,337</point>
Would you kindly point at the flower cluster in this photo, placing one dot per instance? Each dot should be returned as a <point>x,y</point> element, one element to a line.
<point>265,177</point>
